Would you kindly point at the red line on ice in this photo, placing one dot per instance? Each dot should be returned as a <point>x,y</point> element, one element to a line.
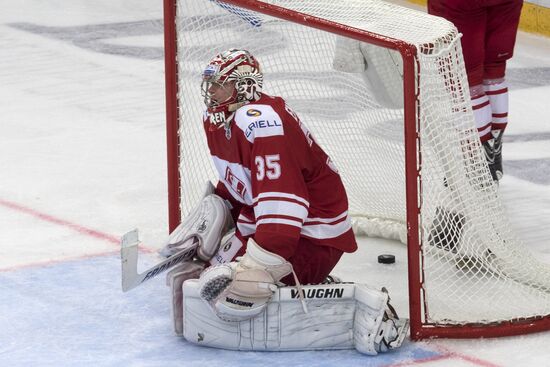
<point>53,262</point>
<point>49,218</point>
<point>414,362</point>
<point>474,360</point>
<point>446,355</point>
<point>115,240</point>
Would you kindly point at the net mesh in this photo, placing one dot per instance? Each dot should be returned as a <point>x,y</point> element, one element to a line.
<point>350,95</point>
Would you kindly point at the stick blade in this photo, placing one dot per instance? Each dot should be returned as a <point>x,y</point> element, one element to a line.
<point>129,257</point>
<point>130,239</point>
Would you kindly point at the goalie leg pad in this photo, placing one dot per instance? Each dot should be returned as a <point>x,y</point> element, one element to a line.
<point>341,316</point>
<point>377,327</point>
<point>175,279</point>
<point>208,222</point>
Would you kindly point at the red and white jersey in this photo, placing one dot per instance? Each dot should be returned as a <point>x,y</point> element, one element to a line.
<point>285,184</point>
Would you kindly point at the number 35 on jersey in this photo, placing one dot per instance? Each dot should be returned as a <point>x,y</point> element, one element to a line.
<point>268,167</point>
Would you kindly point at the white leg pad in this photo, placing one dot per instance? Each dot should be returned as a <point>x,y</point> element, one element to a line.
<point>337,319</point>
<point>375,328</point>
<point>175,279</point>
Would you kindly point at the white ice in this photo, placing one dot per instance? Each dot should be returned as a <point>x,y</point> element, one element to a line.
<point>82,161</point>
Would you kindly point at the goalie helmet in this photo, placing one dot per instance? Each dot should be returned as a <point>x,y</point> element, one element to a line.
<point>231,79</point>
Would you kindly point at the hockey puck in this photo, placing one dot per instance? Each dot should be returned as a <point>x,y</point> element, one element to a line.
<point>386,259</point>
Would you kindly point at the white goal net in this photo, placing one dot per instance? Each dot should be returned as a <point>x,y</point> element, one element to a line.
<point>473,270</point>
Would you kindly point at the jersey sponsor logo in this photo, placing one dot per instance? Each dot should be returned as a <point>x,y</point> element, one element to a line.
<point>260,124</point>
<point>319,293</point>
<point>238,302</point>
<point>217,118</point>
<point>237,185</point>
<point>253,113</point>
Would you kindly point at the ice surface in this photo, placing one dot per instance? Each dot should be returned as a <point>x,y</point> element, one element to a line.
<point>82,158</point>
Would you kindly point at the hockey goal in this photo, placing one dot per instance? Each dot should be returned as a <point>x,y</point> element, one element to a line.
<point>400,129</point>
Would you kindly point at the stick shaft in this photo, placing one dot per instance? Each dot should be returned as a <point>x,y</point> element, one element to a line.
<point>129,259</point>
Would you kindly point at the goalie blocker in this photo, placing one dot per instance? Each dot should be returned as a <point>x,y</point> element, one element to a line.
<point>340,316</point>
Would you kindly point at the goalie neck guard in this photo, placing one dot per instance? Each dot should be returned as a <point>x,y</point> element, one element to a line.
<point>229,81</point>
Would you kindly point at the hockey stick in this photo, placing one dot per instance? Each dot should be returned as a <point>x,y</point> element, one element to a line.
<point>129,258</point>
<point>244,14</point>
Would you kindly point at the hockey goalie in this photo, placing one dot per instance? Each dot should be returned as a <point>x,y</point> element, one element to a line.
<point>265,285</point>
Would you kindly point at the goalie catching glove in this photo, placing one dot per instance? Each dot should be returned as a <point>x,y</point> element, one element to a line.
<point>240,290</point>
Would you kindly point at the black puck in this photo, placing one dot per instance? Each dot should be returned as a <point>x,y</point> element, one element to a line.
<point>386,259</point>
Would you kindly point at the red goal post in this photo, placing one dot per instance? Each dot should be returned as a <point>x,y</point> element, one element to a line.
<point>446,201</point>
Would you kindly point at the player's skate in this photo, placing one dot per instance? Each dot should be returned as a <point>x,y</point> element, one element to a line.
<point>497,148</point>
<point>446,229</point>
<point>489,150</point>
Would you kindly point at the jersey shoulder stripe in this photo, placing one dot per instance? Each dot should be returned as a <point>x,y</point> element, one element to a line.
<point>258,120</point>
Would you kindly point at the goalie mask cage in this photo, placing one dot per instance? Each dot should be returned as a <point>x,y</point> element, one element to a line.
<point>402,134</point>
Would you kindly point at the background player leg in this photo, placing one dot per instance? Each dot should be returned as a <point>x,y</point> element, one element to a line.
<point>502,26</point>
<point>470,18</point>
